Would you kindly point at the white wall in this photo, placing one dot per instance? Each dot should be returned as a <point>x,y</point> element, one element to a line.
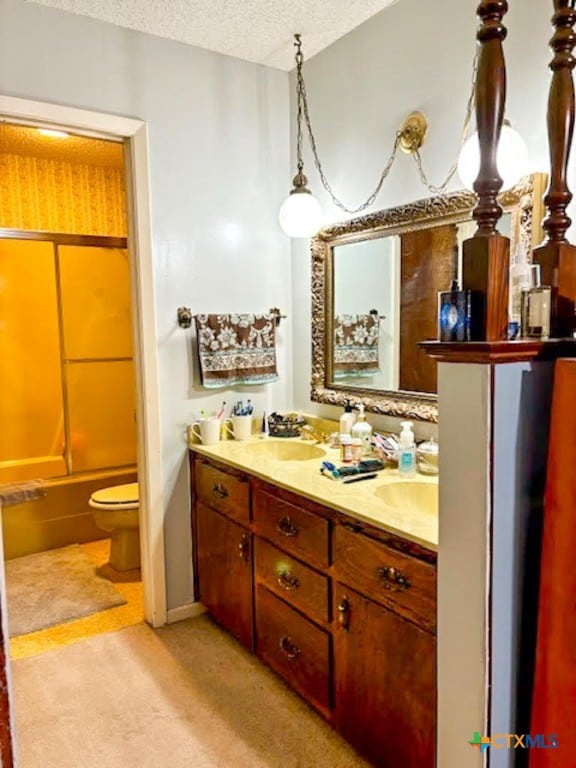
<point>413,55</point>
<point>218,133</point>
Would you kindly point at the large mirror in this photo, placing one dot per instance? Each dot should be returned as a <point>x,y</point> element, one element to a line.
<point>375,285</point>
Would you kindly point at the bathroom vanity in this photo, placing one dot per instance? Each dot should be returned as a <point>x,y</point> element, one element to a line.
<point>316,578</point>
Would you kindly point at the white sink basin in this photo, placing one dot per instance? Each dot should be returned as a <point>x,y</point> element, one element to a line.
<point>410,497</point>
<point>284,451</point>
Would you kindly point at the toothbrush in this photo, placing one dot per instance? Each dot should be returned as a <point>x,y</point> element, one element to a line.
<point>221,411</point>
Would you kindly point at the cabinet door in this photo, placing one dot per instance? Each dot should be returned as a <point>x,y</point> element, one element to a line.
<point>385,683</point>
<point>224,563</point>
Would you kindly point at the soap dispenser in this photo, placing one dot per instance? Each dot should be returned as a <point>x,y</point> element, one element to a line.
<point>407,451</point>
<point>347,419</point>
<point>363,430</point>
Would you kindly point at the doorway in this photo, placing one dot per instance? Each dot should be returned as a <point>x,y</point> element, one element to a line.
<point>134,135</point>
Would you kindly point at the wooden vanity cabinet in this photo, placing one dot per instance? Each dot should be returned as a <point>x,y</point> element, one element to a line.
<point>223,550</point>
<point>345,613</point>
<point>384,683</point>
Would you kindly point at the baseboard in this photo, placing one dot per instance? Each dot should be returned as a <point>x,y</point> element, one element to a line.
<point>190,611</point>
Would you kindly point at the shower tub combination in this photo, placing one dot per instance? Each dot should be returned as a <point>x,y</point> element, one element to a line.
<point>68,405</point>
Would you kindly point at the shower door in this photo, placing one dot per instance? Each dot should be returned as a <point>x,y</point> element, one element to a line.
<point>67,393</point>
<point>31,396</point>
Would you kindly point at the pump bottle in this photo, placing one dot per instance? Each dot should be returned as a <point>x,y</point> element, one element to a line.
<point>347,419</point>
<point>407,451</point>
<point>363,430</point>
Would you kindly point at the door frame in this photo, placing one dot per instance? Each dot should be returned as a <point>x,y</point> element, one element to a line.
<point>134,134</point>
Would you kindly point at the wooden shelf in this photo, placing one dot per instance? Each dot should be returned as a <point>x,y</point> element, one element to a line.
<point>492,352</point>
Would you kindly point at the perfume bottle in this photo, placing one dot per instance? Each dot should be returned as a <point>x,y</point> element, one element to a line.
<point>536,308</point>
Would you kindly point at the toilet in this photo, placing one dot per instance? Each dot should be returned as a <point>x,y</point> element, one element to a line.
<point>116,511</point>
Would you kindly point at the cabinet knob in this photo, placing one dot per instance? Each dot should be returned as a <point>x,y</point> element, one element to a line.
<point>289,648</point>
<point>219,490</point>
<point>344,613</point>
<point>392,577</point>
<point>243,547</point>
<point>286,527</point>
<point>288,581</point>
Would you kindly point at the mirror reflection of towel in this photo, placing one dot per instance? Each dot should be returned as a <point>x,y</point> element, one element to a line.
<point>236,349</point>
<point>356,345</point>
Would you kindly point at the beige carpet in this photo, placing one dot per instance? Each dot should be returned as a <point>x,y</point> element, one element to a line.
<point>54,587</point>
<point>186,696</point>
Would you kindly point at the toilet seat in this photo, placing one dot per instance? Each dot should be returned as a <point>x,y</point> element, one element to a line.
<point>116,497</point>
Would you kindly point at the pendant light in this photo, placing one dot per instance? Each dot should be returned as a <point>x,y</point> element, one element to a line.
<point>300,214</point>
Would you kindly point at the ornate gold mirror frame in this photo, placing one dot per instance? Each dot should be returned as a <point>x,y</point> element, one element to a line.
<point>523,202</point>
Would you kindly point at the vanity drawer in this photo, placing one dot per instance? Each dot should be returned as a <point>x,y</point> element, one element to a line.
<point>294,648</point>
<point>226,493</point>
<point>292,581</point>
<point>392,578</point>
<point>295,530</point>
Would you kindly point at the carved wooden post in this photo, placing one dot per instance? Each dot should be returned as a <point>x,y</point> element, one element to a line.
<point>486,256</point>
<point>557,257</point>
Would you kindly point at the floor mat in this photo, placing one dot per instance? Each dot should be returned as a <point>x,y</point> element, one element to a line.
<point>54,587</point>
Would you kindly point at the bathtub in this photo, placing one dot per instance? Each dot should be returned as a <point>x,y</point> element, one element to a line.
<point>61,516</point>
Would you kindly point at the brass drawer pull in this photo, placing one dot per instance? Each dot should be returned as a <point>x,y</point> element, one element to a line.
<point>392,577</point>
<point>289,648</point>
<point>288,581</point>
<point>219,490</point>
<point>244,547</point>
<point>286,527</point>
<point>344,613</point>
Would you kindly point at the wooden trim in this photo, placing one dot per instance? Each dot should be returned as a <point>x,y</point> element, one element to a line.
<point>494,352</point>
<point>490,100</point>
<point>61,238</point>
<point>560,121</point>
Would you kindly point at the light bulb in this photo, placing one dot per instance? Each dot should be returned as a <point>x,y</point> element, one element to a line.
<point>300,214</point>
<point>511,158</point>
<point>53,133</point>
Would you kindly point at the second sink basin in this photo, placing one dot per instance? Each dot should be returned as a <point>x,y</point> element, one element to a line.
<point>281,451</point>
<point>409,496</point>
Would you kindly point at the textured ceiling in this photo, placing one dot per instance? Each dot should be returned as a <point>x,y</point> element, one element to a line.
<point>19,140</point>
<point>256,30</point>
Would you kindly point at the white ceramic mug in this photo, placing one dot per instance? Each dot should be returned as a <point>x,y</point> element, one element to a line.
<point>206,430</point>
<point>241,427</point>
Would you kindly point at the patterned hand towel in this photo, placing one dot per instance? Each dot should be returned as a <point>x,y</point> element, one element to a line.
<point>236,349</point>
<point>356,345</point>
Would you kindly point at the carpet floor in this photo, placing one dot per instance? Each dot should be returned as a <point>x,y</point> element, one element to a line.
<point>53,587</point>
<point>184,696</point>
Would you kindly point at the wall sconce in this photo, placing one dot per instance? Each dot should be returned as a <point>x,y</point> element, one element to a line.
<point>301,214</point>
<point>511,158</point>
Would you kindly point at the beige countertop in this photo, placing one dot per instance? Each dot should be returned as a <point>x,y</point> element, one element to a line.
<point>360,500</point>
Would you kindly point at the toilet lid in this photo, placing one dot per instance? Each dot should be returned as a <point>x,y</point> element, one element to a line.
<point>117,494</point>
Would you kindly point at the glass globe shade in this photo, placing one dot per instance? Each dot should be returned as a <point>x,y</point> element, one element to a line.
<point>300,215</point>
<point>511,158</point>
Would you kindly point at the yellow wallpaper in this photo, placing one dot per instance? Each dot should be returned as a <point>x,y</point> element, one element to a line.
<point>58,196</point>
